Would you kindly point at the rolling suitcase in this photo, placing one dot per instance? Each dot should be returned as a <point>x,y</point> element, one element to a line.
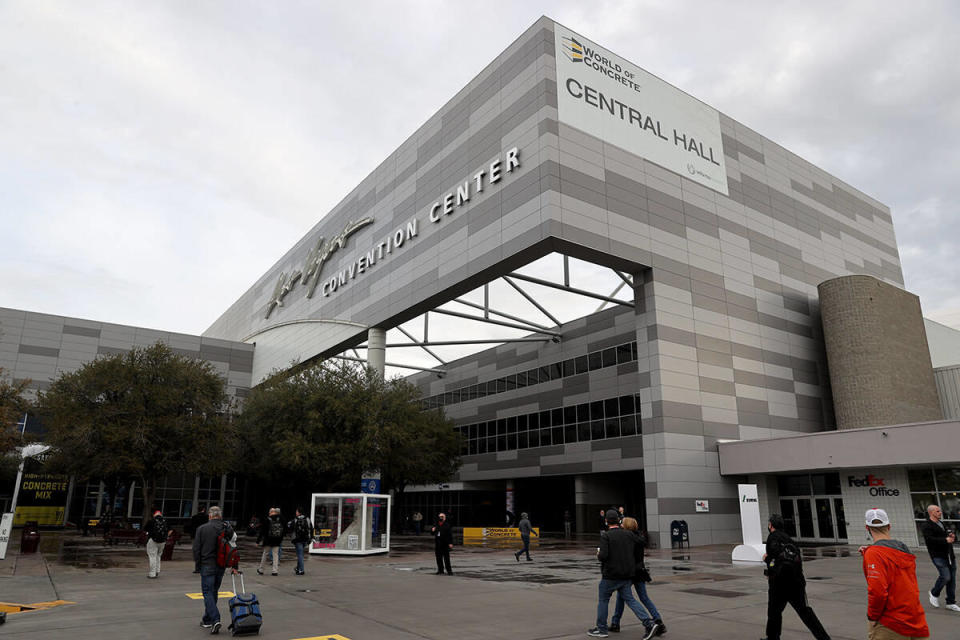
<point>245,618</point>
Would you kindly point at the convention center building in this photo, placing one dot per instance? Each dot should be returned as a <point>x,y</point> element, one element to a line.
<point>768,338</point>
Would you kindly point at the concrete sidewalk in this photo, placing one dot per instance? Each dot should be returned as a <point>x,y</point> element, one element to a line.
<point>698,592</point>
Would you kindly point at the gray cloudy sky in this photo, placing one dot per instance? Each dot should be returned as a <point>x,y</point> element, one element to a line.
<point>157,157</point>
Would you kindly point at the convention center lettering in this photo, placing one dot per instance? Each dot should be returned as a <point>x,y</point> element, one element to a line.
<point>310,275</point>
<point>635,117</point>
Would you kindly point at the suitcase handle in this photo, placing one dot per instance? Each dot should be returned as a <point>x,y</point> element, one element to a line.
<point>233,576</point>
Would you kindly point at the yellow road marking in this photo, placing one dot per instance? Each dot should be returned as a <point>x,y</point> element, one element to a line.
<point>333,637</point>
<point>11,608</point>
<point>220,594</point>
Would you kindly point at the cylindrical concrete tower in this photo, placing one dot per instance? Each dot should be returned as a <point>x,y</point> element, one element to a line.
<point>877,354</point>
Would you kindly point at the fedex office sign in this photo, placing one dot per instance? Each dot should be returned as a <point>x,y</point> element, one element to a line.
<point>876,485</point>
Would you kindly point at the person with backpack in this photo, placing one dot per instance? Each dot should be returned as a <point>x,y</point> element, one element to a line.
<point>784,571</point>
<point>302,534</point>
<point>271,537</point>
<point>214,549</point>
<point>157,532</point>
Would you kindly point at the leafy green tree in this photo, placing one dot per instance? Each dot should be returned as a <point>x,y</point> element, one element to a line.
<point>13,406</point>
<point>140,415</point>
<point>323,427</point>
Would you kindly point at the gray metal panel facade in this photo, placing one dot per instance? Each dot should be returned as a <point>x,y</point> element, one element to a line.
<point>728,320</point>
<point>39,347</point>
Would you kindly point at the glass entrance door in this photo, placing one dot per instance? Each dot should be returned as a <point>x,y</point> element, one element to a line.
<point>814,519</point>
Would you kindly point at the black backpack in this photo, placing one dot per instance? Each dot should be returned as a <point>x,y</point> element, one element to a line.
<point>159,532</point>
<point>275,532</point>
<point>301,529</point>
<point>790,555</point>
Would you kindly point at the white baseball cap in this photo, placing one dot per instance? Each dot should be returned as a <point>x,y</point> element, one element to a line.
<point>876,518</point>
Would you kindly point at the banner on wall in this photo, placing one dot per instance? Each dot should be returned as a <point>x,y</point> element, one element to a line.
<point>612,99</point>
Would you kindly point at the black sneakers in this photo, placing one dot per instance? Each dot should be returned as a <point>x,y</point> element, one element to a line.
<point>651,631</point>
<point>596,633</point>
<point>216,628</point>
<point>614,627</point>
<point>661,628</point>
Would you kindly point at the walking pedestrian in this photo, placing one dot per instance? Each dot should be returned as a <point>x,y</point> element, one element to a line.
<point>525,531</point>
<point>157,532</point>
<point>417,521</point>
<point>198,520</point>
<point>939,541</point>
<point>567,524</point>
<point>786,582</point>
<point>443,543</point>
<point>302,534</point>
<point>893,597</point>
<point>271,537</point>
<point>617,562</point>
<point>205,549</point>
<point>641,576</point>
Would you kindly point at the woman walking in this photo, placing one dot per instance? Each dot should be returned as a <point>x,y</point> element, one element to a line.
<point>640,577</point>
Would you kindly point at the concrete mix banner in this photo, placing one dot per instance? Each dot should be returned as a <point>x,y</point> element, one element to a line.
<point>43,498</point>
<point>620,103</point>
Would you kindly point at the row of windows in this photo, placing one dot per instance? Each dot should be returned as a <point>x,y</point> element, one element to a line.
<point>935,485</point>
<point>592,361</point>
<point>611,418</point>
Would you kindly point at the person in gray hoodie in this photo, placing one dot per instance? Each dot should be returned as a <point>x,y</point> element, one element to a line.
<point>525,531</point>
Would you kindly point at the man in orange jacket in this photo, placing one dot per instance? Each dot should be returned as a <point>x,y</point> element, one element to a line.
<point>893,600</point>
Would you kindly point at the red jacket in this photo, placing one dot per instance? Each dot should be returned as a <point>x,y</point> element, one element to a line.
<point>893,595</point>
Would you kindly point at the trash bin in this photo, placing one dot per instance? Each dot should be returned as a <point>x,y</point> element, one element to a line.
<point>30,537</point>
<point>169,545</point>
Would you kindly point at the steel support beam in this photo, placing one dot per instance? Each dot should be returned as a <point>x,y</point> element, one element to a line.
<point>502,323</point>
<point>581,292</point>
<point>530,299</point>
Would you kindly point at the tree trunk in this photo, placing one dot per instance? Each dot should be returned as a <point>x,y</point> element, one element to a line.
<point>148,488</point>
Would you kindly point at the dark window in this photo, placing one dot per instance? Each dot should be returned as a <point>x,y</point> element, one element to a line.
<point>570,433</point>
<point>481,445</point>
<point>511,382</point>
<point>522,422</point>
<point>533,438</point>
<point>544,374</point>
<point>501,385</point>
<point>612,427</point>
<point>795,485</point>
<point>596,429</point>
<point>512,424</point>
<point>522,440</point>
<point>582,365</point>
<point>473,431</point>
<point>568,369</point>
<point>611,407</point>
<point>544,437</point>
<point>583,431</point>
<point>921,479</point>
<point>583,412</point>
<point>826,484</point>
<point>556,435</point>
<point>596,410</point>
<point>627,405</point>
<point>544,418</point>
<point>623,354</point>
<point>948,479</point>
<point>502,443</point>
<point>569,415</point>
<point>556,418</point>
<point>633,351</point>
<point>472,451</point>
<point>533,376</point>
<point>511,442</point>
<point>534,421</point>
<point>501,426</point>
<point>608,357</point>
<point>594,361</point>
<point>521,379</point>
<point>628,426</point>
<point>556,371</point>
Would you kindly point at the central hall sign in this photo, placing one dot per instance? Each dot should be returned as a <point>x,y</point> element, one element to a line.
<point>309,275</point>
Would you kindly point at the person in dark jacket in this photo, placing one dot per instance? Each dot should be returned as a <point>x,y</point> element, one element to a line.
<point>198,520</point>
<point>939,543</point>
<point>211,575</point>
<point>302,535</point>
<point>617,566</point>
<point>271,537</point>
<point>640,578</point>
<point>442,542</point>
<point>786,584</point>
<point>525,531</point>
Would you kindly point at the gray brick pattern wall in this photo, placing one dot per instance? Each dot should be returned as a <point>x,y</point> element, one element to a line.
<point>728,314</point>
<point>878,355</point>
<point>39,347</point>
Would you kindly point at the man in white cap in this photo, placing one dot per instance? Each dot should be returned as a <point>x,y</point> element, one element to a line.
<point>893,597</point>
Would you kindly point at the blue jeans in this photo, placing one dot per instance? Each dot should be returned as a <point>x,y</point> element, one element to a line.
<point>948,576</point>
<point>645,600</point>
<point>623,589</point>
<point>526,547</point>
<point>210,579</point>
<point>299,547</point>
